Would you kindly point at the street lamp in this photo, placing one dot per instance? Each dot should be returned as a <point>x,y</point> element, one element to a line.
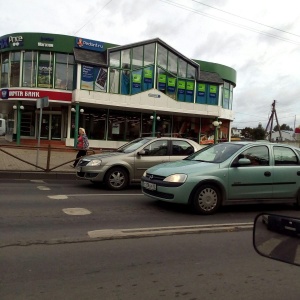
<point>18,108</point>
<point>217,124</point>
<point>154,118</point>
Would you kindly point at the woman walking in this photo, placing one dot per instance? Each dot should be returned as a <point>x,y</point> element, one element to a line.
<point>82,146</point>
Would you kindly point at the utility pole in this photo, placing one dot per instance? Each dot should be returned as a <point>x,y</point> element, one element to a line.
<point>271,122</point>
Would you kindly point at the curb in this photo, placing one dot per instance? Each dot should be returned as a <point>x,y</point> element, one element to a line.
<point>38,175</point>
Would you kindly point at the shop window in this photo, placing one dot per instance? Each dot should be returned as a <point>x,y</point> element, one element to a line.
<point>114,81</point>
<point>29,69</point>
<point>172,63</point>
<point>186,127</point>
<point>162,54</point>
<point>45,70</point>
<point>114,59</point>
<point>148,78</point>
<point>213,95</point>
<point>136,82</point>
<point>125,59</point>
<point>4,69</point>
<point>226,97</point>
<point>15,69</point>
<point>161,80</point>
<point>125,82</point>
<point>64,71</point>
<point>149,53</point>
<point>93,78</point>
<point>201,93</point>
<point>182,67</point>
<point>191,72</point>
<point>171,87</point>
<point>137,57</point>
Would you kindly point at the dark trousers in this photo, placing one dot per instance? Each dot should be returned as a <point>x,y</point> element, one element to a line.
<point>79,154</point>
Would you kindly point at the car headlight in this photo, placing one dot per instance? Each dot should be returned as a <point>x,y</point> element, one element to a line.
<point>176,178</point>
<point>94,162</point>
<point>145,173</point>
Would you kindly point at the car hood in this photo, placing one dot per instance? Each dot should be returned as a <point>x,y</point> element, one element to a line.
<point>182,166</point>
<point>103,155</point>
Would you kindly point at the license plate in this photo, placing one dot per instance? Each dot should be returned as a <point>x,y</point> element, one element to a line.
<point>150,186</point>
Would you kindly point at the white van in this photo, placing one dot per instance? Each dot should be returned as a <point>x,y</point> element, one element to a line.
<point>2,127</point>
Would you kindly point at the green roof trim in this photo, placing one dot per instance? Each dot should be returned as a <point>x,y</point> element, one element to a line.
<point>226,73</point>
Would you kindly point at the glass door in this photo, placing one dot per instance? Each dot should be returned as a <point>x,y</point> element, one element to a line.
<point>45,126</point>
<point>55,127</point>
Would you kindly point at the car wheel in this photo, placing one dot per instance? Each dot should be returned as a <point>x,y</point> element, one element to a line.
<point>116,179</point>
<point>207,199</point>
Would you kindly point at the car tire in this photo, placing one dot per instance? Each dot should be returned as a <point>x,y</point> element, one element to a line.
<point>116,179</point>
<point>207,199</point>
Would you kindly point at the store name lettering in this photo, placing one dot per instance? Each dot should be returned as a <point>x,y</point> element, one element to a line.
<point>40,44</point>
<point>14,41</point>
<point>24,94</point>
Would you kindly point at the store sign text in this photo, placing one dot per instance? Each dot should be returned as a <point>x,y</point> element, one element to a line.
<point>40,44</point>
<point>13,41</point>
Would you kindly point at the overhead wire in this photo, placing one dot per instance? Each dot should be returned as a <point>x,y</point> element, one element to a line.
<point>233,23</point>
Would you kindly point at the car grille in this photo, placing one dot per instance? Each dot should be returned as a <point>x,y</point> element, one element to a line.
<point>155,177</point>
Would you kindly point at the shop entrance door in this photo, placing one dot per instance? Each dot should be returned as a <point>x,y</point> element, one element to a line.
<point>51,126</point>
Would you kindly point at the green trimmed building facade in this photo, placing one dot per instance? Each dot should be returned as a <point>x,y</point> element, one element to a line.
<point>50,85</point>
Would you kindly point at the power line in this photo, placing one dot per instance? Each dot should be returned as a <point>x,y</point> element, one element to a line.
<point>231,23</point>
<point>91,19</point>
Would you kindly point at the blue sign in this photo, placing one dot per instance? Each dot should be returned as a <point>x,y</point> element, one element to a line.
<point>90,44</point>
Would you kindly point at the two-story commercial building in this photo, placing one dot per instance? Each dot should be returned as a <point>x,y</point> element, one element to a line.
<point>53,84</point>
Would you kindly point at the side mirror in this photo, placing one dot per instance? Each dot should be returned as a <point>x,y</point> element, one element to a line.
<point>277,237</point>
<point>141,152</point>
<point>244,161</point>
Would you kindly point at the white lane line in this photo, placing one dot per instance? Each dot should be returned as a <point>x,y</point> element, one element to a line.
<point>38,181</point>
<point>43,188</point>
<point>157,231</point>
<point>58,197</point>
<point>76,211</point>
<point>87,195</point>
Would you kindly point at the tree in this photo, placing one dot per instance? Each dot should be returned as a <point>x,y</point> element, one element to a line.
<point>257,133</point>
<point>283,127</point>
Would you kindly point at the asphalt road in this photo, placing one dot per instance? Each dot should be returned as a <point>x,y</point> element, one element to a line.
<point>61,239</point>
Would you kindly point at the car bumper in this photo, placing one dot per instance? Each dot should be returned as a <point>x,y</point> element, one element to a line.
<point>174,194</point>
<point>89,174</point>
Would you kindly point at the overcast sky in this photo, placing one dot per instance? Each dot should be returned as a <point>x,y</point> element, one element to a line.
<point>260,39</point>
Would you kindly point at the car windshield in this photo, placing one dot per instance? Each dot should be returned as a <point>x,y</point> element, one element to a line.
<point>215,153</point>
<point>133,145</point>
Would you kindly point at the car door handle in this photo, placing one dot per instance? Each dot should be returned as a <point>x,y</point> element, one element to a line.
<point>267,174</point>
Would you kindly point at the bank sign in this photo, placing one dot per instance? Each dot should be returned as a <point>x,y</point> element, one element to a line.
<point>11,41</point>
<point>90,44</point>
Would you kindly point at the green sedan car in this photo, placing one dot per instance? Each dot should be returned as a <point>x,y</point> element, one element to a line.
<point>227,174</point>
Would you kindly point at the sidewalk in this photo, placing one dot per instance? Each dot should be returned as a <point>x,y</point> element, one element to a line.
<point>22,161</point>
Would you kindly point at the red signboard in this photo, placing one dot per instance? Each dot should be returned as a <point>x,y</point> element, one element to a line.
<point>34,94</point>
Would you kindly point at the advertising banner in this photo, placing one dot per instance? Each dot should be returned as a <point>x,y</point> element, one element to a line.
<point>181,86</point>
<point>189,87</point>
<point>171,84</point>
<point>136,80</point>
<point>148,76</point>
<point>162,80</point>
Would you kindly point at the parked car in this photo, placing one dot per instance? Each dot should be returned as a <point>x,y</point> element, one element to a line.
<point>127,164</point>
<point>277,237</point>
<point>226,174</point>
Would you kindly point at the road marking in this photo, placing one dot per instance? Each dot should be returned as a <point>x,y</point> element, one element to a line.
<point>38,181</point>
<point>172,230</point>
<point>76,211</point>
<point>58,197</point>
<point>43,188</point>
<point>80,195</point>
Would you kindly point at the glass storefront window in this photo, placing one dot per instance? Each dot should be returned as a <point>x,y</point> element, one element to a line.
<point>29,69</point>
<point>162,54</point>
<point>161,80</point>
<point>114,81</point>
<point>172,63</point>
<point>4,69</point>
<point>182,65</point>
<point>125,58</point>
<point>191,72</point>
<point>114,59</point>
<point>45,70</point>
<point>125,82</point>
<point>137,57</point>
<point>186,127</point>
<point>149,54</point>
<point>64,71</point>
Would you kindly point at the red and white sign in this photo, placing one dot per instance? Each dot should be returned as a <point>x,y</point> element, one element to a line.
<point>34,94</point>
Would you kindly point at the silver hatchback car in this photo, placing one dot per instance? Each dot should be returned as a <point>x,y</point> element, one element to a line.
<point>119,168</point>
